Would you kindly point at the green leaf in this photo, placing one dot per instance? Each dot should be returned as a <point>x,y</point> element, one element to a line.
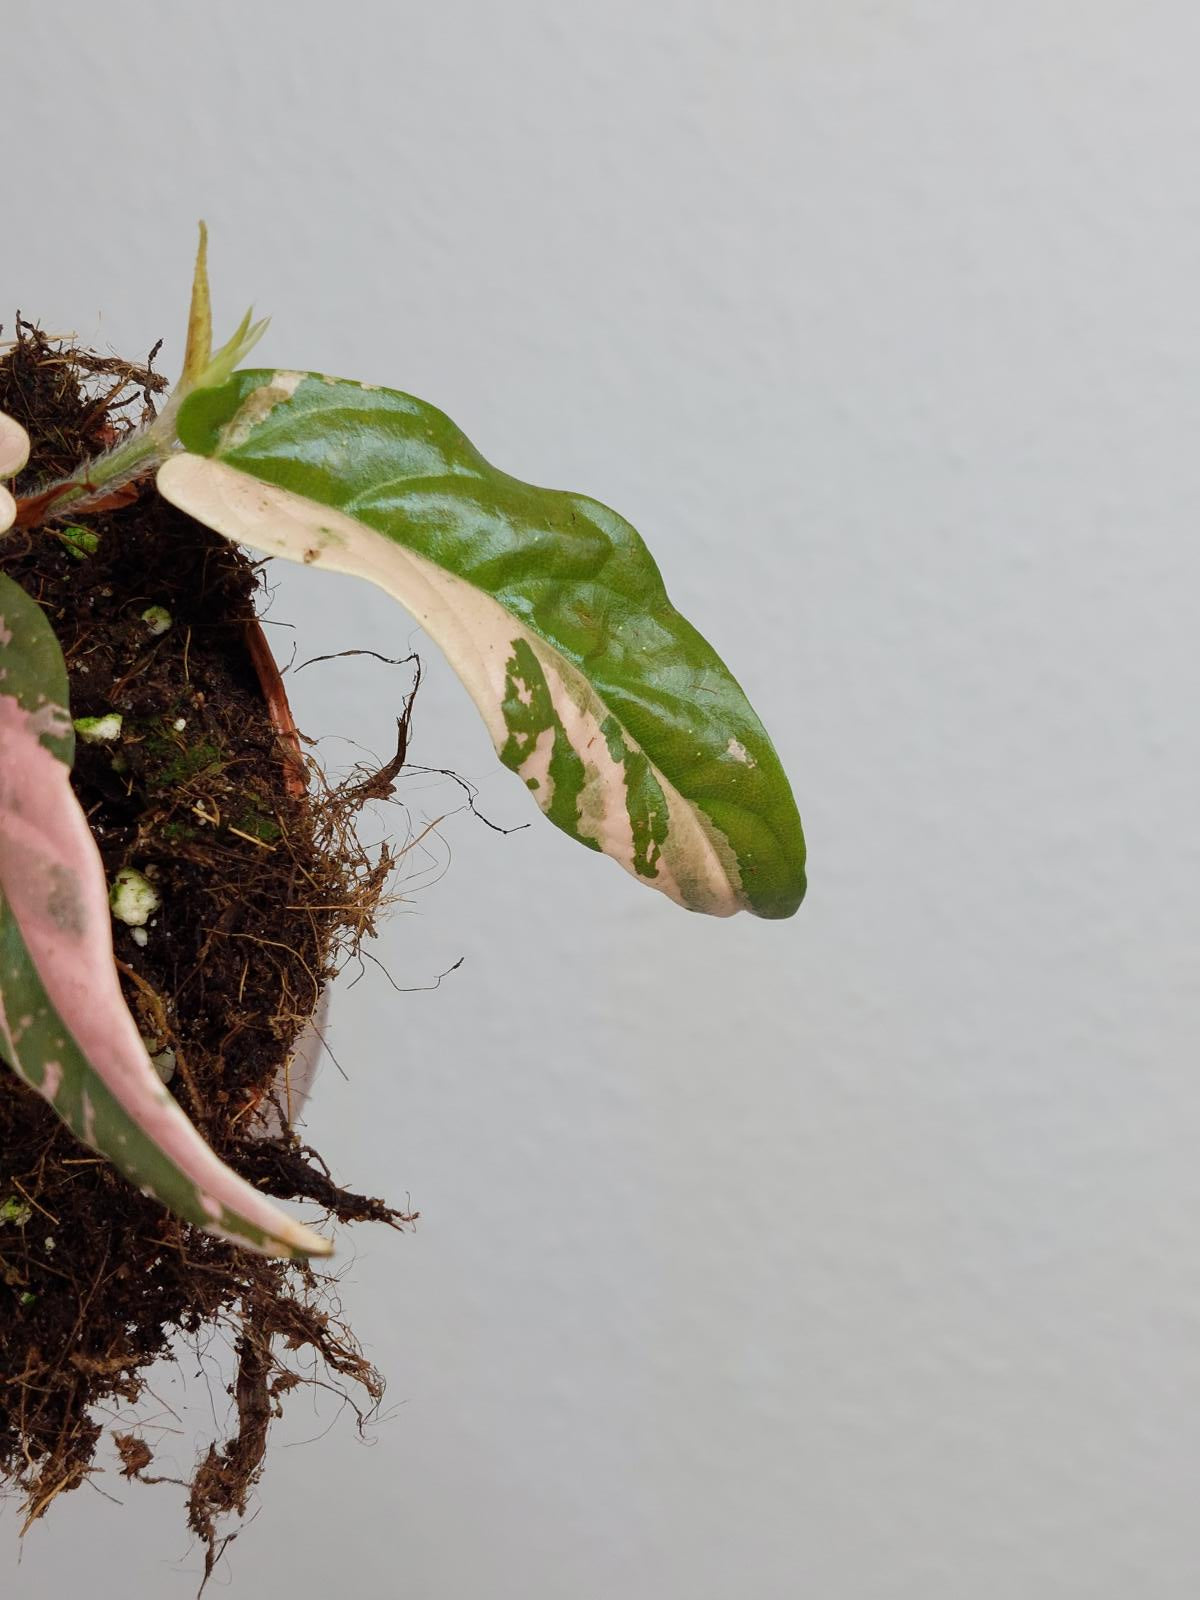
<point>64,1025</point>
<point>630,731</point>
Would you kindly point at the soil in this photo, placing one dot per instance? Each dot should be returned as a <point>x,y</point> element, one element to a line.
<point>264,891</point>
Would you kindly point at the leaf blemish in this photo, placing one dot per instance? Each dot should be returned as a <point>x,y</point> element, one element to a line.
<point>258,406</point>
<point>64,903</point>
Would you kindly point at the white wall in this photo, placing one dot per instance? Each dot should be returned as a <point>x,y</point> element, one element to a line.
<point>857,1256</point>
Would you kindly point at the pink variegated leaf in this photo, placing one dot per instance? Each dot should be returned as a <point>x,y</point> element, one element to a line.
<point>64,1025</point>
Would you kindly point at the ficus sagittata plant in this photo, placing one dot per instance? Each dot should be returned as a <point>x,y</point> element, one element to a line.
<point>624,724</point>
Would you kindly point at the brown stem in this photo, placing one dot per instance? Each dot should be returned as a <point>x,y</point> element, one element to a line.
<point>35,509</point>
<point>278,708</point>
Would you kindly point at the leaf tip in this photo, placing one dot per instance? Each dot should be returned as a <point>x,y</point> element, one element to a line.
<point>301,1241</point>
<point>198,350</point>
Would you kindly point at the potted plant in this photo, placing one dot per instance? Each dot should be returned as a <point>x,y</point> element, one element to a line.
<point>150,791</point>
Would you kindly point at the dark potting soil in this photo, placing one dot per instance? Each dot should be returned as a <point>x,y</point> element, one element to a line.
<point>264,890</point>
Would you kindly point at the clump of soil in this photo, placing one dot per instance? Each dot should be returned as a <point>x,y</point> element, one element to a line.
<point>264,891</point>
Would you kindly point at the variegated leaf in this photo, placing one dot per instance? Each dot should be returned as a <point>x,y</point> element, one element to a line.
<point>630,731</point>
<point>14,453</point>
<point>64,1025</point>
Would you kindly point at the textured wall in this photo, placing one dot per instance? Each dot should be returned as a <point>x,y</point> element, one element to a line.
<point>853,1257</point>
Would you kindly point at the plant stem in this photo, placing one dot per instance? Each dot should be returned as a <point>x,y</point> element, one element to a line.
<point>101,477</point>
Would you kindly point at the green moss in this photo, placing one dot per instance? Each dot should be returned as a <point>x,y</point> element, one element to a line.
<point>172,764</point>
<point>258,826</point>
<point>178,832</point>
